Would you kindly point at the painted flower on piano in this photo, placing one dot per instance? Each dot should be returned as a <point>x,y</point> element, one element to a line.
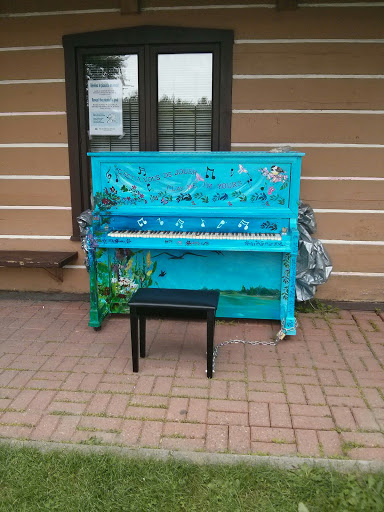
<point>125,281</point>
<point>276,174</point>
<point>110,197</point>
<point>270,190</point>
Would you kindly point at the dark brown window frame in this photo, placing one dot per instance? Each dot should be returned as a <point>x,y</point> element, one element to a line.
<point>147,42</point>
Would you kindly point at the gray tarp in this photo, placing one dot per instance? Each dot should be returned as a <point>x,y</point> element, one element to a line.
<point>313,263</point>
<point>84,220</point>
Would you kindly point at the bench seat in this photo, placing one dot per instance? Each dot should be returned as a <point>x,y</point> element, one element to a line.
<point>51,261</point>
<point>153,302</point>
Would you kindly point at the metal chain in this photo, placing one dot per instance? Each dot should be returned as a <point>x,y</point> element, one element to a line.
<point>279,336</point>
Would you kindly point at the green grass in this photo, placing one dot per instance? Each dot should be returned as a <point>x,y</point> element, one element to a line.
<point>315,306</point>
<point>374,326</point>
<point>68,481</point>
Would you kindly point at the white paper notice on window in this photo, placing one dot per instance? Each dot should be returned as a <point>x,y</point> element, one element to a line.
<point>105,107</point>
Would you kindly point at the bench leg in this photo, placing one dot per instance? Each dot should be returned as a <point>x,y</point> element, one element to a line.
<point>142,321</point>
<point>134,340</point>
<point>210,336</point>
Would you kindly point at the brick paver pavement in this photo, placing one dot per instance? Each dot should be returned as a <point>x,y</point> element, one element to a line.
<point>319,393</point>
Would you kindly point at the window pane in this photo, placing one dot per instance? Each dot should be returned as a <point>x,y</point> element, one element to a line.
<point>123,68</point>
<point>185,102</point>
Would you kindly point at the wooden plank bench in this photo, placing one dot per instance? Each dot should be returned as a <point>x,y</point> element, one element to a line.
<point>154,302</point>
<point>51,261</point>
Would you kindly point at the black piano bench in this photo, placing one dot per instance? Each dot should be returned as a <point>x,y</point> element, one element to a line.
<point>160,302</point>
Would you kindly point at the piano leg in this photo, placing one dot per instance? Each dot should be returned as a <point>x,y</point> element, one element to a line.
<point>94,320</point>
<point>210,337</point>
<point>134,339</point>
<point>97,311</point>
<point>287,306</point>
<point>142,322</point>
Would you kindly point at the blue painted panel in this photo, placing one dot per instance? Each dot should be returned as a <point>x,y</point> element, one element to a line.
<point>249,283</point>
<point>133,185</point>
<point>239,276</point>
<point>187,181</point>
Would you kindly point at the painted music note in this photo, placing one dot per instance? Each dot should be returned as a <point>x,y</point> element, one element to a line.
<point>231,173</point>
<point>108,175</point>
<point>243,223</point>
<point>221,223</point>
<point>142,171</point>
<point>161,222</point>
<point>212,175</point>
<point>148,187</point>
<point>141,222</point>
<point>202,223</point>
<point>179,224</point>
<point>249,182</point>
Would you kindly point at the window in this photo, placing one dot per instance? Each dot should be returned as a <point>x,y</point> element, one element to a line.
<point>184,101</point>
<point>175,90</point>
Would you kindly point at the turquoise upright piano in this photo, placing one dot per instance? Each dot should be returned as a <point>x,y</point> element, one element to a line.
<point>220,220</point>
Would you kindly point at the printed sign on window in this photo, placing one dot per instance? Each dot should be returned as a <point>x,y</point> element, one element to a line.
<point>105,107</point>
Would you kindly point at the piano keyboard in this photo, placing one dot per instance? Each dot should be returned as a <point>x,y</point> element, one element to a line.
<point>194,235</point>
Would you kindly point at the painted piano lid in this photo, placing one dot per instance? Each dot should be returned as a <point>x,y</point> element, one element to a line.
<point>229,180</point>
<point>197,154</point>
